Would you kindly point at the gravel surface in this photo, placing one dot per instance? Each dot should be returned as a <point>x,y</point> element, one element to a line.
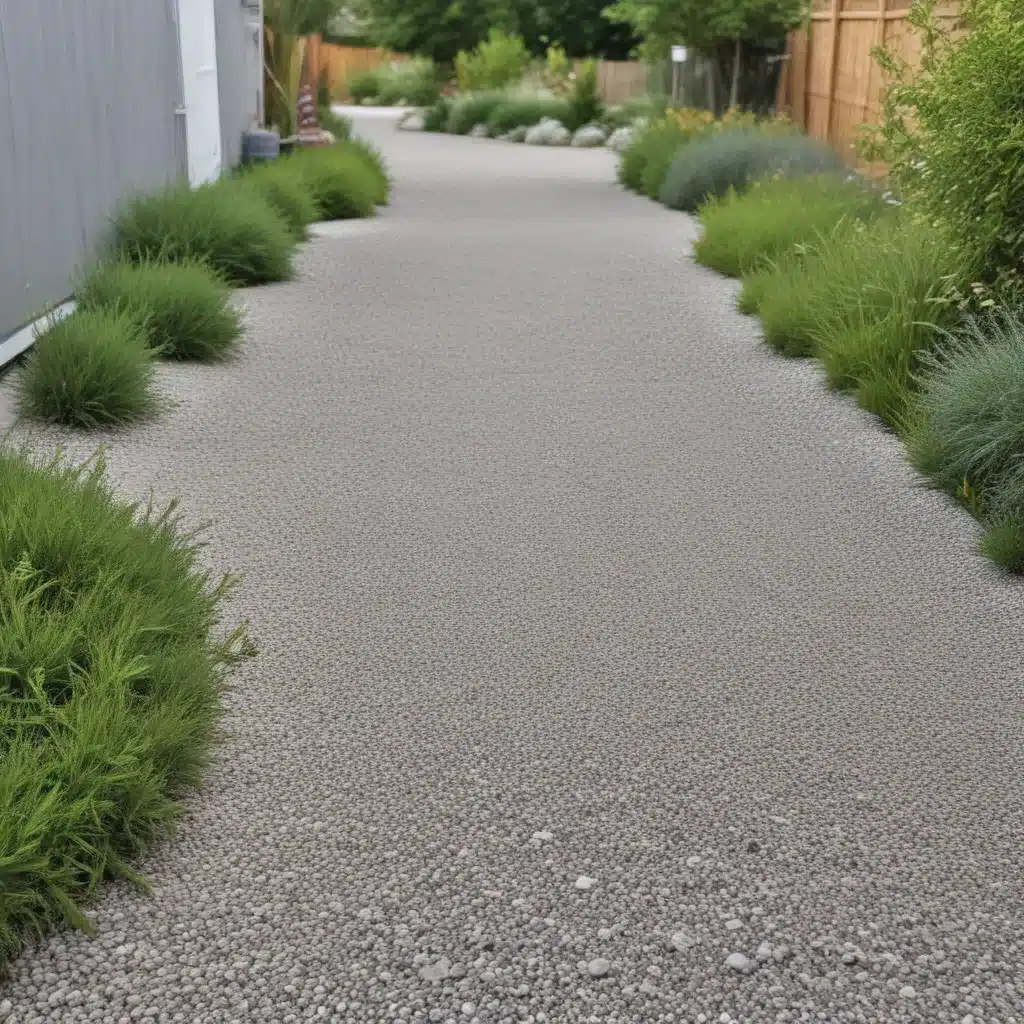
<point>611,669</point>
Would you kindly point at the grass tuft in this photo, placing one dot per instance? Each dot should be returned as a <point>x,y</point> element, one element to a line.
<point>93,368</point>
<point>342,182</point>
<point>280,183</point>
<point>744,230</point>
<point>525,111</point>
<point>184,310</point>
<point>472,109</point>
<point>112,671</point>
<point>228,224</point>
<point>374,160</point>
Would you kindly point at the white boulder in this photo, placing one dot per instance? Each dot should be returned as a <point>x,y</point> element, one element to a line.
<point>588,136</point>
<point>620,140</point>
<point>479,131</point>
<point>412,122</point>
<point>548,132</point>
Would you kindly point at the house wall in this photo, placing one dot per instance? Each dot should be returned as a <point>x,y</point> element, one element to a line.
<point>88,91</point>
<point>239,72</point>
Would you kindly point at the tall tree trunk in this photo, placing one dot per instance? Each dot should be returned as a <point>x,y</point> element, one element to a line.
<point>734,91</point>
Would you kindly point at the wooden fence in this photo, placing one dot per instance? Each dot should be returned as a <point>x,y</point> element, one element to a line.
<point>831,84</point>
<point>617,80</point>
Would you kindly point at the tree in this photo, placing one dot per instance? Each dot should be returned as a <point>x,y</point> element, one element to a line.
<point>578,26</point>
<point>713,28</point>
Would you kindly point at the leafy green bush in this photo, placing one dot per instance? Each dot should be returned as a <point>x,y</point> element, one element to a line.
<point>742,230</point>
<point>185,311</point>
<point>953,131</point>
<point>497,62</point>
<point>645,163</point>
<point>112,679</point>
<point>472,109</point>
<point>364,85</point>
<point>342,181</point>
<point>585,105</point>
<point>228,224</point>
<point>435,117</point>
<point>867,300</point>
<point>93,368</point>
<point>966,435</point>
<point>647,107</point>
<point>525,110</point>
<point>281,185</point>
<point>733,159</point>
<point>414,82</point>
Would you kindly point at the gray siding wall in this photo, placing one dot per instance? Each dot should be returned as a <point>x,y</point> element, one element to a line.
<point>239,75</point>
<point>87,96</point>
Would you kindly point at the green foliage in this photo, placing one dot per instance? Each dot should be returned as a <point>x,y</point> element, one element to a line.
<point>710,26</point>
<point>498,61</point>
<point>649,108</point>
<point>472,109</point>
<point>517,111</point>
<point>645,163</point>
<point>341,180</point>
<point>733,159</point>
<point>557,70</point>
<point>280,183</point>
<point>413,82</point>
<point>436,117</point>
<point>373,159</point>
<point>585,106</point>
<point>968,435</point>
<point>112,677</point>
<point>184,310</point>
<point>774,216</point>
<point>228,224</point>
<point>953,130</point>
<point>867,300</point>
<point>93,368</point>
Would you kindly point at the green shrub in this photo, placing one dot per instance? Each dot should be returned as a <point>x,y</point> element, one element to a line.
<point>953,131</point>
<point>341,180</point>
<point>93,368</point>
<point>646,107</point>
<point>585,106</point>
<point>414,82</point>
<point>967,436</point>
<point>645,163</point>
<point>372,157</point>
<point>364,85</point>
<point>228,224</point>
<point>281,185</point>
<point>525,110</point>
<point>337,124</point>
<point>498,61</point>
<point>473,109</point>
<point>112,678</point>
<point>742,230</point>
<point>435,117</point>
<point>867,301</point>
<point>733,159</point>
<point>185,311</point>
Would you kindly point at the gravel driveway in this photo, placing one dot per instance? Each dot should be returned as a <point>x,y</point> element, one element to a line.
<point>612,670</point>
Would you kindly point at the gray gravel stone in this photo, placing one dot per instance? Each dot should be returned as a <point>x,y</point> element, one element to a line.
<point>738,962</point>
<point>534,532</point>
<point>598,967</point>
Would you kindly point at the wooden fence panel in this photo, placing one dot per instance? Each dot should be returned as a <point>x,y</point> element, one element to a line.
<point>833,85</point>
<point>341,62</point>
<point>621,80</point>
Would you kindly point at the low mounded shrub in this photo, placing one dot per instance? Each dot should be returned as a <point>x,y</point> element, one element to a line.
<point>499,61</point>
<point>374,160</point>
<point>281,185</point>
<point>228,224</point>
<point>645,163</point>
<point>185,311</point>
<point>93,368</point>
<point>966,434</point>
<point>742,230</point>
<point>585,104</point>
<point>524,111</point>
<point>337,124</point>
<point>364,85</point>
<point>867,301</point>
<point>435,117</point>
<point>473,109</point>
<point>735,158</point>
<point>112,678</point>
<point>343,183</point>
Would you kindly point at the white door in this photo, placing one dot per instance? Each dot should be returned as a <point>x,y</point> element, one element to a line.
<point>197,33</point>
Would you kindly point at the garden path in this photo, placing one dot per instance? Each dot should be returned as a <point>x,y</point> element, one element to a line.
<point>585,623</point>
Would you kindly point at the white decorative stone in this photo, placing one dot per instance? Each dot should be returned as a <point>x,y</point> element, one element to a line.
<point>412,122</point>
<point>620,139</point>
<point>589,136</point>
<point>738,962</point>
<point>479,131</point>
<point>583,882</point>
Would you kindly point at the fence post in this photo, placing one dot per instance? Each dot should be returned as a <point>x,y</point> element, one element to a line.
<point>832,67</point>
